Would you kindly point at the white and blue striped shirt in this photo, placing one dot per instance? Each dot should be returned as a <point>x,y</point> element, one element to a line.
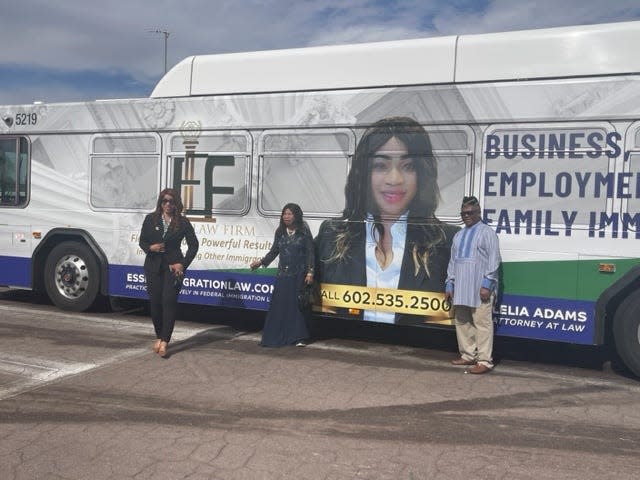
<point>474,263</point>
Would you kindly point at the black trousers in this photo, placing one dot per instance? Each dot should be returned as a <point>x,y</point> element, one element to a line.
<point>163,293</point>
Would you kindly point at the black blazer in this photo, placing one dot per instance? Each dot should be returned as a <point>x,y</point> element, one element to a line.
<point>152,232</point>
<point>353,270</point>
<point>296,252</point>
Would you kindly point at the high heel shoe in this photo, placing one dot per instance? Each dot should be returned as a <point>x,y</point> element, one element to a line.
<point>162,351</point>
<point>156,345</point>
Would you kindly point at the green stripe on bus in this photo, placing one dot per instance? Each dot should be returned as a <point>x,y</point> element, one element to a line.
<point>580,279</point>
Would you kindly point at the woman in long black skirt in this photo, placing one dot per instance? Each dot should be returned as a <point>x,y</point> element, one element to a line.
<point>285,323</point>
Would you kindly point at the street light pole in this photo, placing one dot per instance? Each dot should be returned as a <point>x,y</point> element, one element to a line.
<point>165,33</point>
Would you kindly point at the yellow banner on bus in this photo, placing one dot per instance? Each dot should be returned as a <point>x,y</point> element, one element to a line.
<point>430,304</point>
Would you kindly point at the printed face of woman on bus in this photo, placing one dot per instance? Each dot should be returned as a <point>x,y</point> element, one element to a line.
<point>394,181</point>
<point>288,217</point>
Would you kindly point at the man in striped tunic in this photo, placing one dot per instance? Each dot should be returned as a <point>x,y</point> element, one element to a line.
<point>472,281</point>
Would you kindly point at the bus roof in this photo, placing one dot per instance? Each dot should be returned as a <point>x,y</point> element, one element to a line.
<point>603,49</point>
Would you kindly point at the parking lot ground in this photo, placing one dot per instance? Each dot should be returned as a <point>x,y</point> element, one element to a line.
<point>222,407</point>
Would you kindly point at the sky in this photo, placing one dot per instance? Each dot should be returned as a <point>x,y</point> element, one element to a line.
<point>77,50</point>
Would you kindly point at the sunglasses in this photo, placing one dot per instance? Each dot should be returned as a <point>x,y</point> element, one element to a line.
<point>467,213</point>
<point>167,200</point>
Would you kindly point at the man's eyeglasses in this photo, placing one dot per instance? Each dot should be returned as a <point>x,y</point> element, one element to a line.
<point>167,200</point>
<point>467,213</point>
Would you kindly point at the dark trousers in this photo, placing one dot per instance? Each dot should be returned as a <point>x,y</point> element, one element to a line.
<point>163,301</point>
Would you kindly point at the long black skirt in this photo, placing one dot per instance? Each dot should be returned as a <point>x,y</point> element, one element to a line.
<point>285,324</point>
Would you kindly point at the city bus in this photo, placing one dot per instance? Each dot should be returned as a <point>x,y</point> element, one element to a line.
<point>542,126</point>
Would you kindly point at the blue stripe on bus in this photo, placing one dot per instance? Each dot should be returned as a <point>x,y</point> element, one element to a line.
<point>543,318</point>
<point>203,287</point>
<point>15,271</point>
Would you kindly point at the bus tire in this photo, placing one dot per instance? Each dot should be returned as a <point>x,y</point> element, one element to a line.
<point>626,332</point>
<point>72,276</point>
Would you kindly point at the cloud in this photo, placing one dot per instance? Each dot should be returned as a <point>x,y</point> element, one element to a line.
<point>509,15</point>
<point>23,84</point>
<point>365,33</point>
<point>114,40</point>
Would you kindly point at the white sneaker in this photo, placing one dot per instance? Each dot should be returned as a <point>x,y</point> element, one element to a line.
<point>301,344</point>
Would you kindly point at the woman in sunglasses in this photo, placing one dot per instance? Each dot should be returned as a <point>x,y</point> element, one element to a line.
<point>162,233</point>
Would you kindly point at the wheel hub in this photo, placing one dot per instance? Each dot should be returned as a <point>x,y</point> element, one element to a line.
<point>72,276</point>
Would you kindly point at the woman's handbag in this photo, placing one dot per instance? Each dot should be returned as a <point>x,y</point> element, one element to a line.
<point>307,296</point>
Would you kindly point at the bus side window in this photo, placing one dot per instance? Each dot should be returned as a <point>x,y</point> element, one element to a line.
<point>14,162</point>
<point>533,169</point>
<point>452,148</point>
<point>212,171</point>
<point>308,167</point>
<point>125,171</point>
<point>633,163</point>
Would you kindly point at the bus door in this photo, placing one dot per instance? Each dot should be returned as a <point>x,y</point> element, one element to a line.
<point>15,237</point>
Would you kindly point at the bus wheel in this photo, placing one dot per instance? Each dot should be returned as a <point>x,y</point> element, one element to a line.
<point>71,276</point>
<point>626,331</point>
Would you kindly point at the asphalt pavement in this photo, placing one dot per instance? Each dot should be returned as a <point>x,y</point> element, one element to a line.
<point>82,396</point>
